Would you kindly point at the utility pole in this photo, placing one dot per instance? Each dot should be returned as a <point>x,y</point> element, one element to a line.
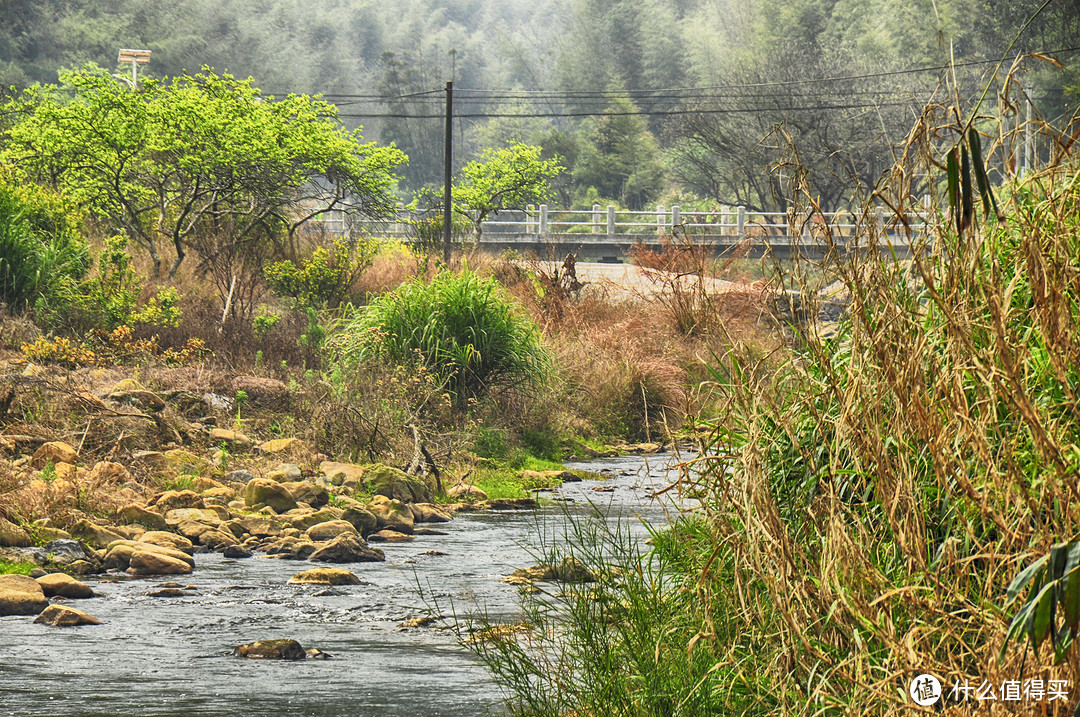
<point>449,153</point>
<point>1028,134</point>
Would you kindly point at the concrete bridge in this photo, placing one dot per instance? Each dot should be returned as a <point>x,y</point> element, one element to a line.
<point>607,234</point>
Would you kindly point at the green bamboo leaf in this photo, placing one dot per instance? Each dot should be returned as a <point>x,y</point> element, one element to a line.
<point>1037,625</point>
<point>989,202</point>
<point>1021,580</point>
<point>952,174</point>
<point>1015,627</point>
<point>967,195</point>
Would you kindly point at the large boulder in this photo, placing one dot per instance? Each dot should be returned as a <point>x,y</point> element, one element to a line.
<point>54,452</point>
<point>363,520</point>
<point>211,515</point>
<point>428,513</point>
<point>146,562</point>
<point>259,527</point>
<point>262,491</point>
<point>135,514</point>
<point>303,522</point>
<point>347,548</point>
<point>339,473</point>
<point>396,484</point>
<point>324,576</point>
<point>175,500</point>
<point>289,548</point>
<point>272,650</point>
<point>65,551</point>
<point>392,514</point>
<point>64,616</point>
<point>65,586</point>
<point>20,595</point>
<point>330,530</point>
<point>164,539</point>
<point>218,540</point>
<point>303,492</point>
<point>121,554</point>
<point>96,536</point>
<point>12,536</point>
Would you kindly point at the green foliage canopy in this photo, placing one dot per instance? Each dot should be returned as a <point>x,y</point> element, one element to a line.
<point>180,159</point>
<point>509,178</point>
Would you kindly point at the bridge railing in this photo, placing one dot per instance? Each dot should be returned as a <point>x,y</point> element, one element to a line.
<point>726,222</point>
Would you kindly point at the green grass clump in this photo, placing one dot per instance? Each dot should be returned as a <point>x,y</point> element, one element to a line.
<point>463,328</point>
<point>8,567</point>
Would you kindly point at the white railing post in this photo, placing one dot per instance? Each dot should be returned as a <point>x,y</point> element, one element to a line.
<point>596,209</point>
<point>543,220</point>
<point>611,220</point>
<point>530,220</point>
<point>741,221</point>
<point>661,217</point>
<point>676,218</point>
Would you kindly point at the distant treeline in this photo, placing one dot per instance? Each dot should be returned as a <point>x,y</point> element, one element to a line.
<point>613,75</point>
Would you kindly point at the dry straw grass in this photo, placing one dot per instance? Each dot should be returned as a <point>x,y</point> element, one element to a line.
<point>873,500</point>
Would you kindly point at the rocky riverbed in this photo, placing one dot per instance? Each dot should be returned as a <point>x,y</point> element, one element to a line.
<point>166,644</point>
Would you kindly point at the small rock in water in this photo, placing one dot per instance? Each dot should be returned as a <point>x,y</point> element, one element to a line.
<point>316,654</point>
<point>235,552</point>
<point>390,536</point>
<point>428,531</point>
<point>61,585</point>
<point>324,576</point>
<point>419,622</point>
<point>167,593</point>
<point>604,488</point>
<point>272,650</point>
<point>64,616</point>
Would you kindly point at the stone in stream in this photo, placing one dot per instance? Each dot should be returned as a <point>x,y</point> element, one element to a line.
<point>363,520</point>
<point>167,540</point>
<point>66,551</point>
<point>262,491</point>
<point>567,571</point>
<point>21,595</point>
<point>65,586</point>
<point>235,552</point>
<point>396,484</point>
<point>324,576</point>
<point>429,531</point>
<point>272,650</point>
<point>64,616</point>
<point>428,513</point>
<point>152,563</point>
<point>138,515</point>
<point>167,593</point>
<point>96,536</point>
<point>512,504</point>
<point>347,549</point>
<point>329,530</point>
<point>390,536</point>
<point>392,514</point>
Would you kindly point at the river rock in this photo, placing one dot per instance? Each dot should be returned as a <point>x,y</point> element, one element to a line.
<point>64,616</point>
<point>54,452</point>
<point>396,484</point>
<point>290,548</point>
<point>262,491</point>
<point>65,586</point>
<point>363,520</point>
<point>512,504</point>
<point>96,536</point>
<point>239,476</point>
<point>279,445</point>
<point>308,520</point>
<point>145,562</point>
<point>330,530</point>
<point>392,514</point>
<point>338,473</point>
<point>21,595</point>
<point>167,540</point>
<point>211,515</point>
<point>236,439</point>
<point>108,472</point>
<point>175,500</point>
<point>324,576</point>
<point>567,571</point>
<point>235,552</point>
<point>303,492</point>
<point>139,515</point>
<point>65,551</point>
<point>120,554</point>
<point>272,650</point>
<point>12,536</point>
<point>259,527</point>
<point>466,492</point>
<point>146,400</point>
<point>218,539</point>
<point>428,513</point>
<point>347,548</point>
<point>390,536</point>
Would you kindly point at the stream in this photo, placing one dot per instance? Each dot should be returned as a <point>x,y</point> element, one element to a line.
<point>173,656</point>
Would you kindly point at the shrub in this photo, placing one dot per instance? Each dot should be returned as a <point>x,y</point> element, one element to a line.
<point>41,249</point>
<point>325,279</point>
<point>466,330</point>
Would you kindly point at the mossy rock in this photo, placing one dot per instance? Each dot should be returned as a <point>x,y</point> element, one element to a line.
<point>396,484</point>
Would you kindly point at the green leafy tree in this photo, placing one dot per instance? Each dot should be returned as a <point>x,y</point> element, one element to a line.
<point>201,162</point>
<point>620,158</point>
<point>503,179</point>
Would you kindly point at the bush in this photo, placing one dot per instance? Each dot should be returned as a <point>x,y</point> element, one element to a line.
<point>325,279</point>
<point>466,330</point>
<point>41,249</point>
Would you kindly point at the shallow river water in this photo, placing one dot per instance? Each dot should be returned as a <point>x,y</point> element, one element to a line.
<point>173,656</point>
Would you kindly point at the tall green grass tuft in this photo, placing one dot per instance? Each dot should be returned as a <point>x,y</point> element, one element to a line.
<point>464,329</point>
